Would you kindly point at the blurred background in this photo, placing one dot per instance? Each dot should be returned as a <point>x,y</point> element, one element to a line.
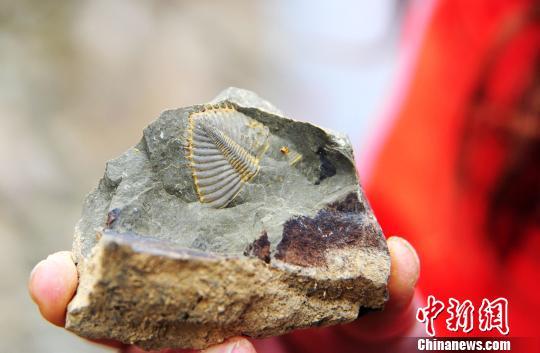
<point>441,99</point>
<point>79,80</point>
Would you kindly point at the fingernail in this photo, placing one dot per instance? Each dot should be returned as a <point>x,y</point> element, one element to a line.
<point>31,282</point>
<point>414,255</point>
<point>243,346</point>
<point>411,249</point>
<point>34,270</point>
<point>236,346</point>
<point>222,348</point>
<point>60,257</point>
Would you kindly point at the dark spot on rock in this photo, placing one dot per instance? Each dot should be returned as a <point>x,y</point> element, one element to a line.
<point>327,169</point>
<point>349,204</point>
<point>306,240</point>
<point>111,246</point>
<point>364,311</point>
<point>321,322</point>
<point>260,248</point>
<point>112,216</point>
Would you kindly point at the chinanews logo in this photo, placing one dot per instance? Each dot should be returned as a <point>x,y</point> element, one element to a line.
<point>463,317</point>
<point>492,315</point>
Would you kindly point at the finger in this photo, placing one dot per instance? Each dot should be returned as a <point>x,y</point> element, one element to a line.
<point>232,345</point>
<point>404,273</point>
<point>398,314</point>
<point>52,284</point>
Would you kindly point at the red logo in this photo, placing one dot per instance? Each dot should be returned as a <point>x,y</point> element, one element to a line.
<point>461,315</point>
<point>494,315</point>
<point>491,315</point>
<point>430,313</point>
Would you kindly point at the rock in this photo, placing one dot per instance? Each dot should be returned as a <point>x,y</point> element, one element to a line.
<point>165,261</point>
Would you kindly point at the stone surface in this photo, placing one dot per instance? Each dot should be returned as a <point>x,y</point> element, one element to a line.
<point>298,247</point>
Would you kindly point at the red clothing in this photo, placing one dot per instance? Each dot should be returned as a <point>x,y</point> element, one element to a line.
<point>414,187</point>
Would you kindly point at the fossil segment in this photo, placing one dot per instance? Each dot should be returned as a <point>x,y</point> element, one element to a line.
<point>225,147</point>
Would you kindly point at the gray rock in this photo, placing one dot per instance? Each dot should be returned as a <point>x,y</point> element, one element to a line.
<point>298,247</point>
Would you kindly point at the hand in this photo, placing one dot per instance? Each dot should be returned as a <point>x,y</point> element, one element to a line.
<point>53,282</point>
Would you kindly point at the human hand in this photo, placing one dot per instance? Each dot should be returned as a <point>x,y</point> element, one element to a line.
<point>53,282</point>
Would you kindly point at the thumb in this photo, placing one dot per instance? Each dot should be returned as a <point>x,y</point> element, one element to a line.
<point>398,316</point>
<point>232,345</point>
<point>52,284</point>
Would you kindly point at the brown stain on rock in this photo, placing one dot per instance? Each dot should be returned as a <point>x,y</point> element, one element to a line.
<point>340,225</point>
<point>260,248</point>
<point>349,204</point>
<point>112,217</point>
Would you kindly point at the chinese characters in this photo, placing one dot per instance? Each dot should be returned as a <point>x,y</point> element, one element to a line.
<point>492,315</point>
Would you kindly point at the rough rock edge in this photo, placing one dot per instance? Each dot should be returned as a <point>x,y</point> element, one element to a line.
<point>147,275</point>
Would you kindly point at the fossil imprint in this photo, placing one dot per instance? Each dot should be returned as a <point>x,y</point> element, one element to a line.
<point>224,149</point>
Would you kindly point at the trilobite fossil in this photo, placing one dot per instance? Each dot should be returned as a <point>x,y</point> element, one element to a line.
<point>224,149</point>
